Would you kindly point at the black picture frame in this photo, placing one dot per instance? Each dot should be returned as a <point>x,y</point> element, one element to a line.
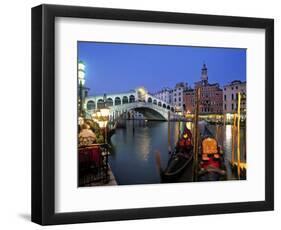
<point>43,114</point>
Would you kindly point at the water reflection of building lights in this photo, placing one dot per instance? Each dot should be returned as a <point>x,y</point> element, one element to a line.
<point>228,133</point>
<point>229,116</point>
<point>176,133</point>
<point>144,149</point>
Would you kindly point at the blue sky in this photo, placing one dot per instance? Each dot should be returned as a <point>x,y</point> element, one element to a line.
<point>117,67</point>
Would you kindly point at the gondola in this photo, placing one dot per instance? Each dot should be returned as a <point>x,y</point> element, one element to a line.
<point>211,166</point>
<point>179,159</point>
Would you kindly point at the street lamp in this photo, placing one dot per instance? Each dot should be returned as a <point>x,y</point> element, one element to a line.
<point>81,82</point>
<point>101,117</point>
<point>104,112</point>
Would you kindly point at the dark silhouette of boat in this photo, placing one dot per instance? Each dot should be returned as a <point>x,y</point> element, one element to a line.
<point>179,160</point>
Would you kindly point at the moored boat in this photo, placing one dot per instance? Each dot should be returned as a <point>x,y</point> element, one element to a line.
<point>211,166</point>
<point>179,159</point>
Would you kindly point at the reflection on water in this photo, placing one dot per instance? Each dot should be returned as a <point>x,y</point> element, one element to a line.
<point>224,136</point>
<point>133,156</point>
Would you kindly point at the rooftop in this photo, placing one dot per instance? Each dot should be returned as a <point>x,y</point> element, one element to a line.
<point>236,82</point>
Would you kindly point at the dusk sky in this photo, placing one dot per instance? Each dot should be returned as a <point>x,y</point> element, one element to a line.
<point>116,67</point>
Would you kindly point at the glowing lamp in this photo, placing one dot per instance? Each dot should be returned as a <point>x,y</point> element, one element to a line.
<point>102,124</point>
<point>104,112</point>
<point>81,73</point>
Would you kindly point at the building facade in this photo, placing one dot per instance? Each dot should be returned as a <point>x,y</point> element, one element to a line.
<point>211,99</point>
<point>211,96</point>
<point>230,96</point>
<point>173,96</point>
<point>189,101</point>
<point>177,96</point>
<point>165,95</point>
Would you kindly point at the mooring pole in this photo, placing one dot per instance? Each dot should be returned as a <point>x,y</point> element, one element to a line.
<point>233,140</point>
<point>179,129</point>
<point>217,132</point>
<point>133,114</point>
<point>196,135</point>
<point>238,136</point>
<point>169,131</point>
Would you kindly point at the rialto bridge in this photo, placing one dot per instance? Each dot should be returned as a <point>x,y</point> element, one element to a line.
<point>138,100</point>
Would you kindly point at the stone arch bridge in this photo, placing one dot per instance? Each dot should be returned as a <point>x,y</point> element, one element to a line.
<point>138,100</point>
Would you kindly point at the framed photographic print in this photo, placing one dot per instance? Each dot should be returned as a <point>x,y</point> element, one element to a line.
<point>142,114</point>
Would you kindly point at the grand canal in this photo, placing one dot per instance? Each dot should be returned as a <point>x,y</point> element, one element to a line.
<point>132,156</point>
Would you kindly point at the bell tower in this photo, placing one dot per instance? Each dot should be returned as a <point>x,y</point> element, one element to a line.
<point>204,74</point>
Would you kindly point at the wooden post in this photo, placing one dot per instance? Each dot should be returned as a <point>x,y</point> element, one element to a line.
<point>196,135</point>
<point>217,130</point>
<point>233,139</point>
<point>238,135</point>
<point>169,131</point>
<point>133,116</point>
<point>179,129</point>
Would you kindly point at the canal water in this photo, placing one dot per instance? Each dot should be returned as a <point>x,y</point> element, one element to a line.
<point>132,156</point>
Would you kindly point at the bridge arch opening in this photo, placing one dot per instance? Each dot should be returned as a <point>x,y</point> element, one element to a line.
<point>155,102</point>
<point>164,106</point>
<point>91,105</point>
<point>132,98</point>
<point>100,104</point>
<point>149,100</point>
<point>109,101</point>
<point>117,101</point>
<point>168,107</point>
<point>159,103</point>
<point>150,114</point>
<point>125,100</point>
<point>172,109</point>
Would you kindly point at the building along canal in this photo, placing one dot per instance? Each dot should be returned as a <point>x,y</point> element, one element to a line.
<point>132,157</point>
